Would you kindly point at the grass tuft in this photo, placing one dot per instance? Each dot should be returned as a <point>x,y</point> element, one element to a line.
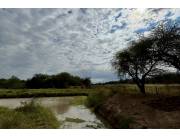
<point>76,120</point>
<point>96,98</point>
<point>29,115</point>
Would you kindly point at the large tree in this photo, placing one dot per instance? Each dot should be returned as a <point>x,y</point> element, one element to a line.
<point>137,62</point>
<point>166,42</point>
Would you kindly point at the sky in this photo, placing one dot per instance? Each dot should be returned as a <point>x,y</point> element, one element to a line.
<point>79,41</point>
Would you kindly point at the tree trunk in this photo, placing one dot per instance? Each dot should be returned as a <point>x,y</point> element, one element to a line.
<point>141,85</point>
<point>142,89</point>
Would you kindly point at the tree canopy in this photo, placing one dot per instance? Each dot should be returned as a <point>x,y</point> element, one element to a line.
<point>61,80</point>
<point>146,56</point>
<point>137,62</point>
<point>166,42</point>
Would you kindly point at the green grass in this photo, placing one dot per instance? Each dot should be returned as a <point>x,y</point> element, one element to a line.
<point>163,89</point>
<point>76,120</point>
<point>35,116</point>
<point>30,115</point>
<point>24,93</point>
<point>80,100</point>
<point>96,98</point>
<point>102,92</point>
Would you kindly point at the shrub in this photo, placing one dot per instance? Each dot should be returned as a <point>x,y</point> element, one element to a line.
<point>29,115</point>
<point>96,98</point>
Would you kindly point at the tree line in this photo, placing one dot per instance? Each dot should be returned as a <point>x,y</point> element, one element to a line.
<point>166,78</point>
<point>148,56</point>
<point>61,80</point>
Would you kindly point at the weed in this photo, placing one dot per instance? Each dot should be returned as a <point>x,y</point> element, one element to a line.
<point>76,120</point>
<point>30,115</point>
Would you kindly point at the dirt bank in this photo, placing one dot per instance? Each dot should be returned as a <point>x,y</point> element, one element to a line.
<point>136,111</point>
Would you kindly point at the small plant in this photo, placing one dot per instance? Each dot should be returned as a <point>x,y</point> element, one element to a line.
<point>96,98</point>
<point>29,115</point>
<point>76,120</point>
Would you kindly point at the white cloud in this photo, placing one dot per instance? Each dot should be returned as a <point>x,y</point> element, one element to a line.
<point>73,40</point>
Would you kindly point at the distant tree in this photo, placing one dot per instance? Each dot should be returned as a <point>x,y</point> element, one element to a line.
<point>13,82</point>
<point>166,78</point>
<point>37,81</point>
<point>62,80</point>
<point>3,83</point>
<point>137,62</point>
<point>87,82</point>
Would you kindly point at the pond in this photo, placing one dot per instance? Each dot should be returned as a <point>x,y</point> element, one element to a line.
<point>70,111</point>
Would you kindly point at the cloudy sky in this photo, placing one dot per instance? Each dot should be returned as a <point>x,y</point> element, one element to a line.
<point>78,41</point>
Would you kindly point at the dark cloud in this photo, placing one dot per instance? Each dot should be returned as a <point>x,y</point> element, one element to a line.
<point>117,27</point>
<point>83,10</point>
<point>118,16</point>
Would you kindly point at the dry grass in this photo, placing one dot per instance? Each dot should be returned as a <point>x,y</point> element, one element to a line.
<point>29,115</point>
<point>151,89</point>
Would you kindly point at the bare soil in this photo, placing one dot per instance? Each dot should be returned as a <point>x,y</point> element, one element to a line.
<point>146,111</point>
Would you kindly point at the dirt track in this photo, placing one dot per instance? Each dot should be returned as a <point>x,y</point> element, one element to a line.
<point>146,112</point>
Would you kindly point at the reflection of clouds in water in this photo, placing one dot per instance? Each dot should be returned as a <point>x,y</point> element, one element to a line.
<point>57,104</point>
<point>80,112</point>
<point>13,103</point>
<point>62,107</point>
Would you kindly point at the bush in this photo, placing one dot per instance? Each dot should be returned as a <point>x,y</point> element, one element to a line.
<point>96,98</point>
<point>61,80</point>
<point>30,115</point>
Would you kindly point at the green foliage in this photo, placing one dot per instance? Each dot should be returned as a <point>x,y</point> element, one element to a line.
<point>166,43</point>
<point>20,93</point>
<point>75,120</point>
<point>79,100</point>
<point>30,115</point>
<point>86,82</point>
<point>12,82</point>
<point>167,78</point>
<point>96,98</point>
<point>61,80</point>
<point>137,62</point>
<point>144,56</point>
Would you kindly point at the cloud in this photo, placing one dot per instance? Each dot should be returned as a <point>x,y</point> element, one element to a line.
<point>79,41</point>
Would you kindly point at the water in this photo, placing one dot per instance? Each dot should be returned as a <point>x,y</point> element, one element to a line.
<point>70,111</point>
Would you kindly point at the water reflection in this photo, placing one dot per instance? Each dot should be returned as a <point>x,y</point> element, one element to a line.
<point>70,111</point>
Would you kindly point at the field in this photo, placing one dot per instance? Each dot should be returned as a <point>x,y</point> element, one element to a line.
<point>122,106</point>
<point>125,107</point>
<point>153,89</point>
<point>25,93</point>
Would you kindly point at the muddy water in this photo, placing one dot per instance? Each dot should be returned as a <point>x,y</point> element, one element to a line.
<point>70,111</point>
